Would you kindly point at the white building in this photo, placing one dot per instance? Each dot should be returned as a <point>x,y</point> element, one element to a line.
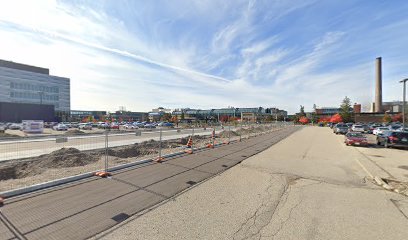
<point>20,83</point>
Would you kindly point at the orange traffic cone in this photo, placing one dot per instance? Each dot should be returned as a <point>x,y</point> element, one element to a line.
<point>159,159</point>
<point>103,174</point>
<point>212,139</point>
<point>190,142</point>
<point>1,201</point>
<point>189,145</point>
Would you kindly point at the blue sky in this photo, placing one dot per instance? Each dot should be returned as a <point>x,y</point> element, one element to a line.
<point>211,54</point>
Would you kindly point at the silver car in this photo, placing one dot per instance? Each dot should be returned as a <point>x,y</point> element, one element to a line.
<point>60,127</point>
<point>341,129</point>
<point>85,126</point>
<point>357,128</point>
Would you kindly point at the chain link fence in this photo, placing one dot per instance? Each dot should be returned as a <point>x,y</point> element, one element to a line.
<point>26,162</point>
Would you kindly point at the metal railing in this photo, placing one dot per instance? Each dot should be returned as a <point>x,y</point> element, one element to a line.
<point>27,161</point>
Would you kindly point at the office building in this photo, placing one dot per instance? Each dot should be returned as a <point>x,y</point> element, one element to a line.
<point>20,83</point>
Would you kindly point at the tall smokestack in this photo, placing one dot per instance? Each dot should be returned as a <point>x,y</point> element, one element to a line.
<point>378,85</point>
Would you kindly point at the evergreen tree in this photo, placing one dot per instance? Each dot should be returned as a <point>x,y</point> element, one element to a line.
<point>302,111</point>
<point>345,113</point>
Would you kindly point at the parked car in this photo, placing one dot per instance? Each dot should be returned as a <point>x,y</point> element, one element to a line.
<point>366,128</point>
<point>167,124</point>
<point>103,125</point>
<point>15,126</point>
<point>393,139</point>
<point>394,127</point>
<point>357,128</point>
<point>402,129</point>
<point>372,127</point>
<point>130,126</point>
<point>85,126</point>
<point>114,126</point>
<point>67,124</point>
<point>148,125</point>
<point>138,124</point>
<point>60,127</point>
<point>355,138</point>
<point>74,125</point>
<point>380,130</point>
<point>341,129</point>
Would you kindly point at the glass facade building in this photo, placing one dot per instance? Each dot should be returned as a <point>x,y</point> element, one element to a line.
<point>21,83</point>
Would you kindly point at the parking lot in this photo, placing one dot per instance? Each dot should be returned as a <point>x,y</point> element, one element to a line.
<point>393,161</point>
<point>95,130</point>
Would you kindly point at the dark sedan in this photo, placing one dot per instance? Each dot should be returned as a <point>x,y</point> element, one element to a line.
<point>393,139</point>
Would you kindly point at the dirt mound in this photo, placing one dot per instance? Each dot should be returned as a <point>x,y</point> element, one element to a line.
<point>225,134</point>
<point>145,148</point>
<point>74,132</point>
<point>133,151</point>
<point>7,135</point>
<point>65,157</point>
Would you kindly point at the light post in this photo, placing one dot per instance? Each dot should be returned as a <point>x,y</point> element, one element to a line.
<point>404,93</point>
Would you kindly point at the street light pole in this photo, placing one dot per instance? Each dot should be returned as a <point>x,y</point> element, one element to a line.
<point>404,93</point>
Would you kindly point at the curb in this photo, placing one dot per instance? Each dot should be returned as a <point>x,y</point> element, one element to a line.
<point>380,182</point>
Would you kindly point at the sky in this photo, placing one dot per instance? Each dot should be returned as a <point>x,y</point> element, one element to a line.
<point>211,54</point>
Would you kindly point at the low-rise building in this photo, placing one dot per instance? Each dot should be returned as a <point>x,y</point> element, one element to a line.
<point>128,116</point>
<point>220,114</point>
<point>79,115</point>
<point>157,113</point>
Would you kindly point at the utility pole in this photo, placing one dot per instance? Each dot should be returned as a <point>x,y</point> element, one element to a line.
<point>404,93</point>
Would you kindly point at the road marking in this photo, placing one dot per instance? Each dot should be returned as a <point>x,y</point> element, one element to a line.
<point>365,169</point>
<point>357,160</point>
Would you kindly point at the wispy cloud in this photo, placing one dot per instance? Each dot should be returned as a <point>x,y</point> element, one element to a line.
<point>209,53</point>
